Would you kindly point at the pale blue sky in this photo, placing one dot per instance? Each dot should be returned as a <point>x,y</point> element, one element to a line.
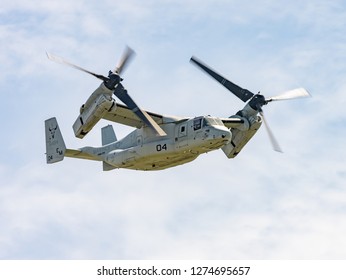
<point>261,205</point>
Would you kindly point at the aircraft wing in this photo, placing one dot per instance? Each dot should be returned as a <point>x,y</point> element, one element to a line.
<point>123,115</point>
<point>232,122</point>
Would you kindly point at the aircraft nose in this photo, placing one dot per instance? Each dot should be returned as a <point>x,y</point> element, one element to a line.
<point>226,134</point>
<point>219,133</point>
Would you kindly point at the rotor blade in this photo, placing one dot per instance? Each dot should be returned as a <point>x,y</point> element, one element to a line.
<point>64,62</point>
<point>124,61</point>
<point>122,94</point>
<point>273,141</point>
<point>292,94</point>
<point>241,93</point>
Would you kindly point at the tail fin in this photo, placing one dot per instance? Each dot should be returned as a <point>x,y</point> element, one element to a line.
<point>108,135</point>
<point>55,145</point>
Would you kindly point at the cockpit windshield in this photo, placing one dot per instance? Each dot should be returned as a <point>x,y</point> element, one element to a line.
<point>200,122</point>
<point>208,121</point>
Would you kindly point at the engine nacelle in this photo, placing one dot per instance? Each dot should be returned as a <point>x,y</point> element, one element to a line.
<point>89,116</point>
<point>240,138</point>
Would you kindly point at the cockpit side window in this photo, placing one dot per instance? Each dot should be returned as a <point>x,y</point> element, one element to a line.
<point>197,123</point>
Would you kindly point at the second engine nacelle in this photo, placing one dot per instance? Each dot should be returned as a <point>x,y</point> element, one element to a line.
<point>89,116</point>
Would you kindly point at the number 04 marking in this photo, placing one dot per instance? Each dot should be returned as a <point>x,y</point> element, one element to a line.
<point>160,147</point>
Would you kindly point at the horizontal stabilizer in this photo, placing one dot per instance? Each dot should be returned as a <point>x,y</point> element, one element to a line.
<point>80,154</point>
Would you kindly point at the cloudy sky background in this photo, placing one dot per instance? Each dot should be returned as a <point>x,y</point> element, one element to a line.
<point>261,205</point>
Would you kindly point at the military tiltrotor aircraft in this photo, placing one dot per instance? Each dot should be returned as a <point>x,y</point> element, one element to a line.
<point>159,141</point>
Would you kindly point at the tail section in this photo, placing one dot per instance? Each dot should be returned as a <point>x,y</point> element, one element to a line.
<point>55,145</point>
<point>56,149</point>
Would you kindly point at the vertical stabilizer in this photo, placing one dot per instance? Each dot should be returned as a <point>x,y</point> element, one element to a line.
<point>108,135</point>
<point>55,145</point>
